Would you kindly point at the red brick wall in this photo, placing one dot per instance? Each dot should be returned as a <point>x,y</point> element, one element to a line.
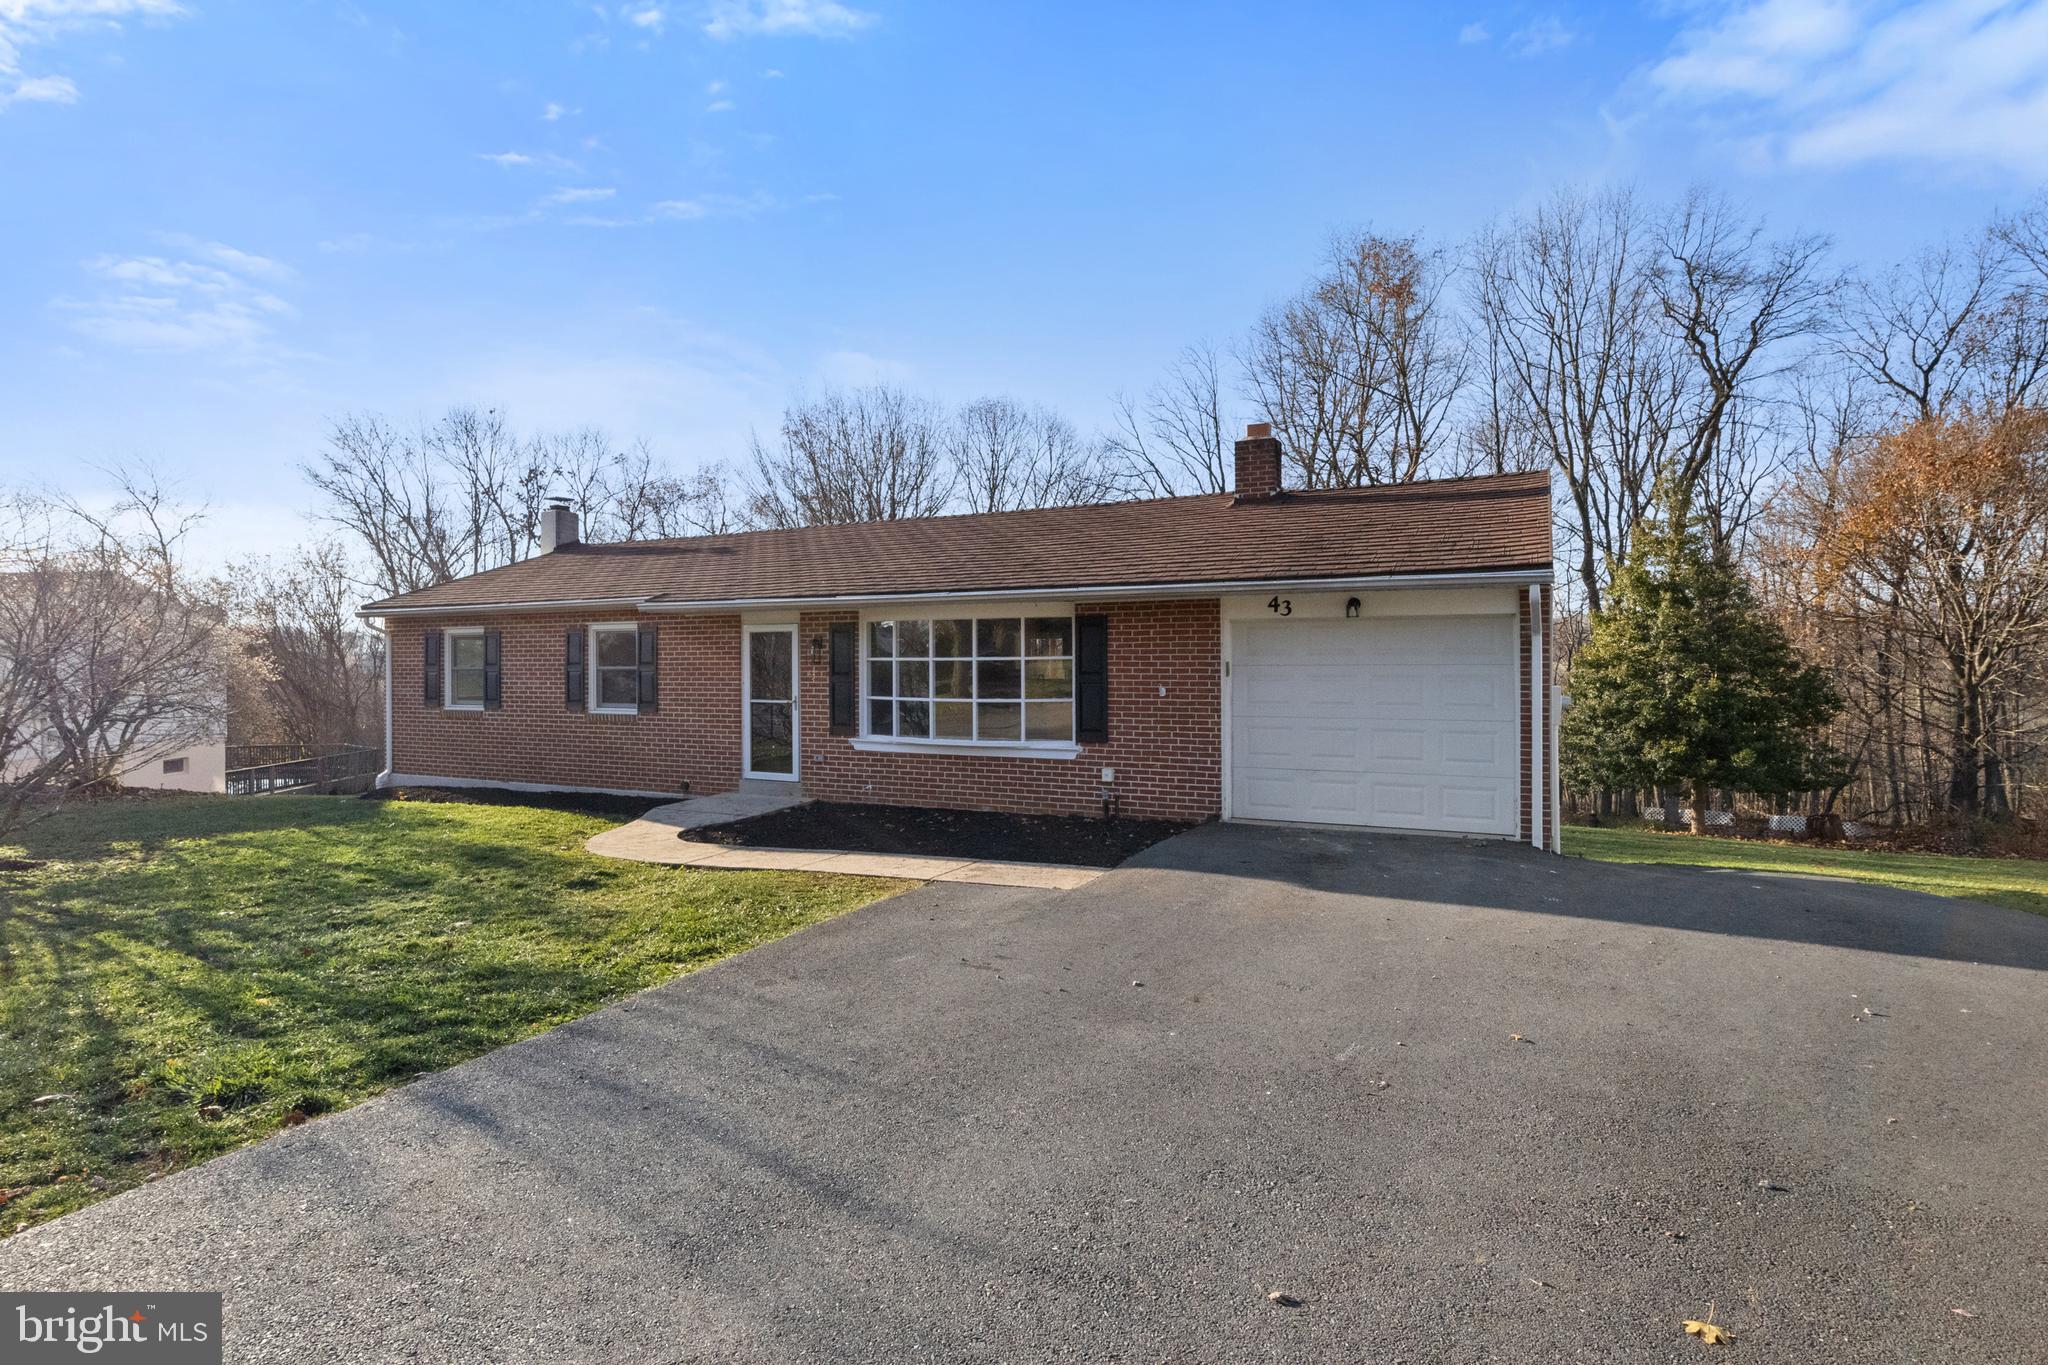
<point>691,743</point>
<point>1167,751</point>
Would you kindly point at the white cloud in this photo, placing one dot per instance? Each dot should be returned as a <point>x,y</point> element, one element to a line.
<point>209,297</point>
<point>1474,33</point>
<point>690,210</point>
<point>774,18</point>
<point>27,23</point>
<point>1839,82</point>
<point>552,112</point>
<point>1540,36</point>
<point>720,107</point>
<point>652,17</point>
<point>39,90</point>
<point>771,74</point>
<point>593,194</point>
<point>544,160</point>
<point>715,206</point>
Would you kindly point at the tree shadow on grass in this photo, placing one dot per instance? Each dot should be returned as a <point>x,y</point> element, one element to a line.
<point>97,830</point>
<point>289,957</point>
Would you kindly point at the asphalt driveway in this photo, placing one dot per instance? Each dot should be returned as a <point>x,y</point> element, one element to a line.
<point>977,1123</point>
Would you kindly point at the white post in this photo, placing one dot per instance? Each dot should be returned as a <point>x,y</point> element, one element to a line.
<point>1539,770</point>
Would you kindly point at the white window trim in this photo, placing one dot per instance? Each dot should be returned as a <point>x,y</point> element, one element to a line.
<point>590,684</point>
<point>448,639</point>
<point>867,742</point>
<point>969,748</point>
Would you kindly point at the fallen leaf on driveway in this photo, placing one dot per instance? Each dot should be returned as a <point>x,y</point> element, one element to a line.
<point>1962,1312</point>
<point>1283,1300</point>
<point>1518,1038</point>
<point>1707,1332</point>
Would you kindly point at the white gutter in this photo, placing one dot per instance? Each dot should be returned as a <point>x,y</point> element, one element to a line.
<point>1539,771</point>
<point>1190,588</point>
<point>538,604</point>
<point>1194,588</point>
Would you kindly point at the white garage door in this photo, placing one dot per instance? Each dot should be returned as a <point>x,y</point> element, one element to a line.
<point>1400,722</point>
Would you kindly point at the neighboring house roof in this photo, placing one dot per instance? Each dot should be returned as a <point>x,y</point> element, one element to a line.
<point>1451,526</point>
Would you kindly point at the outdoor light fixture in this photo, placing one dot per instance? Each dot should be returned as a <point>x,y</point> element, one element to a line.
<point>817,647</point>
<point>1351,610</point>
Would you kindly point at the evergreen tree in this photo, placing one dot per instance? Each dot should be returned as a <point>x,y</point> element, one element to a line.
<point>1686,683</point>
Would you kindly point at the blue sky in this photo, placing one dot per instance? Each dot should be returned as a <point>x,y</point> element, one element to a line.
<point>229,221</point>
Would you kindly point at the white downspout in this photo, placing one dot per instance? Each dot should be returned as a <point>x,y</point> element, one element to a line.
<point>1539,769</point>
<point>390,763</point>
<point>1557,704</point>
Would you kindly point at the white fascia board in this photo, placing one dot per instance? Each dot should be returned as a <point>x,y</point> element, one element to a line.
<point>539,605</point>
<point>1199,588</point>
<point>1210,588</point>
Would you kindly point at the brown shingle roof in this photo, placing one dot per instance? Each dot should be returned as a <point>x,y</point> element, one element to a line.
<point>1500,522</point>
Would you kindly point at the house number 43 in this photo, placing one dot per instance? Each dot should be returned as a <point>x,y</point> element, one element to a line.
<point>1281,606</point>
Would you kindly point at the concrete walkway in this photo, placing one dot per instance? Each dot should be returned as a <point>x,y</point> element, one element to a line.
<point>656,838</point>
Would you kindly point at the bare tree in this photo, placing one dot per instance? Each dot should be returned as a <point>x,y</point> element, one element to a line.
<point>312,673</point>
<point>1359,373</point>
<point>464,493</point>
<point>872,454</point>
<point>1584,377</point>
<point>109,653</point>
<point>1176,439</point>
<point>383,487</point>
<point>1733,300</point>
<point>1007,456</point>
<point>1911,329</point>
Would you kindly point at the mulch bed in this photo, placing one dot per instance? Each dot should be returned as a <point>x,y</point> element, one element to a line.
<point>981,835</point>
<point>620,808</point>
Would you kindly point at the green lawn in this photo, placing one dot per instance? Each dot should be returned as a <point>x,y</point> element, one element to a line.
<point>196,973</point>
<point>2015,882</point>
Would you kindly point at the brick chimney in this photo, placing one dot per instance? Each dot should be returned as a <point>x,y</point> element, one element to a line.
<point>558,525</point>
<point>1258,463</point>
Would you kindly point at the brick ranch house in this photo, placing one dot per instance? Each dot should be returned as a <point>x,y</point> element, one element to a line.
<point>1375,657</point>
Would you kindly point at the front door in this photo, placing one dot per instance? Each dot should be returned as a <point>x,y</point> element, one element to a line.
<point>771,702</point>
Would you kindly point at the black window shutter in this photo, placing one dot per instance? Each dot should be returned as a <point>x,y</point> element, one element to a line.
<point>572,668</point>
<point>494,653</point>
<point>650,679</point>
<point>1091,679</point>
<point>845,667</point>
<point>430,663</point>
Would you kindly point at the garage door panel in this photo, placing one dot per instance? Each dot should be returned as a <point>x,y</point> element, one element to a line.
<point>1476,804</point>
<point>1397,803</point>
<point>1408,723</point>
<point>1466,749</point>
<point>1333,798</point>
<point>1391,745</point>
